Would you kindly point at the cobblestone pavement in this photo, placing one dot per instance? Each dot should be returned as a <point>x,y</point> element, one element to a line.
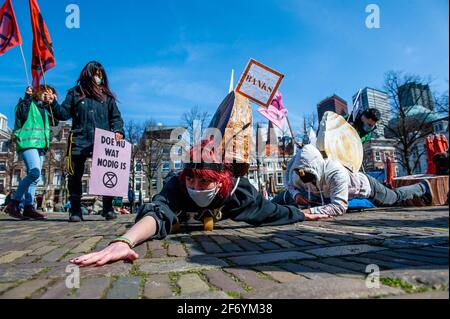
<point>326,259</point>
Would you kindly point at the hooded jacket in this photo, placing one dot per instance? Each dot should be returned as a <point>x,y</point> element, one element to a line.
<point>335,185</point>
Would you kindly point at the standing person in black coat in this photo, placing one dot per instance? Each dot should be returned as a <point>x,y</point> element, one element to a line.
<point>90,105</point>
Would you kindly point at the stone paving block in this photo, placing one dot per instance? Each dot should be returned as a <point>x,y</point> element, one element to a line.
<point>176,250</point>
<point>266,245</point>
<point>383,256</point>
<point>247,245</point>
<point>92,288</point>
<point>58,290</point>
<point>425,295</point>
<point>250,278</point>
<point>345,264</point>
<point>180,265</point>
<point>204,295</point>
<point>383,264</point>
<point>280,274</point>
<point>158,286</point>
<point>333,288</point>
<point>5,287</point>
<point>25,290</point>
<point>43,250</point>
<point>223,281</point>
<point>342,250</point>
<point>430,277</point>
<point>87,245</point>
<point>268,258</point>
<point>338,271</point>
<point>13,255</point>
<point>116,269</point>
<point>19,272</point>
<point>210,247</point>
<point>192,283</point>
<point>55,255</point>
<point>306,272</point>
<point>125,288</point>
<point>425,259</point>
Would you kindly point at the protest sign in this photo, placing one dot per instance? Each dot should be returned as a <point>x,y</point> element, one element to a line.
<point>110,165</point>
<point>259,83</point>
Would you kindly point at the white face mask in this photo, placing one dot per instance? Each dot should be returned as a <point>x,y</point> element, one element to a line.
<point>203,198</point>
<point>97,80</point>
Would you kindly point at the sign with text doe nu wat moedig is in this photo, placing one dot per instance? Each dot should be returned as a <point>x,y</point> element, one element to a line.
<point>259,83</point>
<point>110,165</point>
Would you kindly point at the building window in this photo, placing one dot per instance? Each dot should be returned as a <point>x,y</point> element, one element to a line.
<point>139,166</point>
<point>16,177</point>
<point>280,178</point>
<point>43,179</point>
<point>270,165</point>
<point>2,166</point>
<point>138,184</point>
<point>2,185</point>
<point>377,156</point>
<point>58,155</point>
<point>251,176</point>
<point>166,167</point>
<point>57,178</point>
<point>178,165</point>
<point>84,187</point>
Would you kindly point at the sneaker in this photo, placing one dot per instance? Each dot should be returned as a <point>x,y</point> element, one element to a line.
<point>109,215</point>
<point>13,210</point>
<point>428,196</point>
<point>30,212</point>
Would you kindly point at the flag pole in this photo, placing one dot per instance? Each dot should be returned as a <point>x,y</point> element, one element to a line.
<point>25,65</point>
<point>45,85</point>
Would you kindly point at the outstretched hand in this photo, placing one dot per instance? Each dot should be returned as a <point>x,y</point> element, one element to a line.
<point>314,217</point>
<point>114,252</point>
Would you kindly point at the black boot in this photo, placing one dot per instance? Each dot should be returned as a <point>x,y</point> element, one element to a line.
<point>75,214</point>
<point>108,210</point>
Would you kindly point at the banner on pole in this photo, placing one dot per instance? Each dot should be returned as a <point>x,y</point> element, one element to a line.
<point>110,165</point>
<point>259,83</point>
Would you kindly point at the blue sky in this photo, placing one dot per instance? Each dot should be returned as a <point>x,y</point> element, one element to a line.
<point>164,57</point>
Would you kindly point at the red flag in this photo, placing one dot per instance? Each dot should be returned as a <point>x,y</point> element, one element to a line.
<point>9,31</point>
<point>43,57</point>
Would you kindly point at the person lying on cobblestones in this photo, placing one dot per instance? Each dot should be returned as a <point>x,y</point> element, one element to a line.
<point>328,186</point>
<point>207,189</point>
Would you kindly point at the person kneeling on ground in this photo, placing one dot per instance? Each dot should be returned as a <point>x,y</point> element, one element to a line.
<point>328,185</point>
<point>203,188</point>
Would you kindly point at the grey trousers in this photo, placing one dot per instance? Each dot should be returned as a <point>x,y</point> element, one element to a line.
<point>384,196</point>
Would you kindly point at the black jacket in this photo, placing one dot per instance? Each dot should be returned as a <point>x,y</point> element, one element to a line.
<point>244,205</point>
<point>88,114</point>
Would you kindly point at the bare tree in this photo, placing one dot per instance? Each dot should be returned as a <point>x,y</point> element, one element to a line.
<point>151,149</point>
<point>195,119</point>
<point>441,103</point>
<point>13,162</point>
<point>409,130</point>
<point>134,134</point>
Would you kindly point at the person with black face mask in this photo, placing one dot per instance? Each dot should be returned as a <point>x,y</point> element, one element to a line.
<point>366,123</point>
<point>326,186</point>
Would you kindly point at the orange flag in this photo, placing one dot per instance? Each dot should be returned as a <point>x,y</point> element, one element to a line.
<point>43,57</point>
<point>9,30</point>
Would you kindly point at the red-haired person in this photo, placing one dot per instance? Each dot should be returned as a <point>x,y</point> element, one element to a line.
<point>205,188</point>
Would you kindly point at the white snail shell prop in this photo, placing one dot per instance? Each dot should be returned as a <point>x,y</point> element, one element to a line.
<point>340,141</point>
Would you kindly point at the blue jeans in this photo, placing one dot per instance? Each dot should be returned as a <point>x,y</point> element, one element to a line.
<point>33,158</point>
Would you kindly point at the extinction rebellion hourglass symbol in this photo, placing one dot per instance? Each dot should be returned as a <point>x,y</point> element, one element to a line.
<point>110,179</point>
